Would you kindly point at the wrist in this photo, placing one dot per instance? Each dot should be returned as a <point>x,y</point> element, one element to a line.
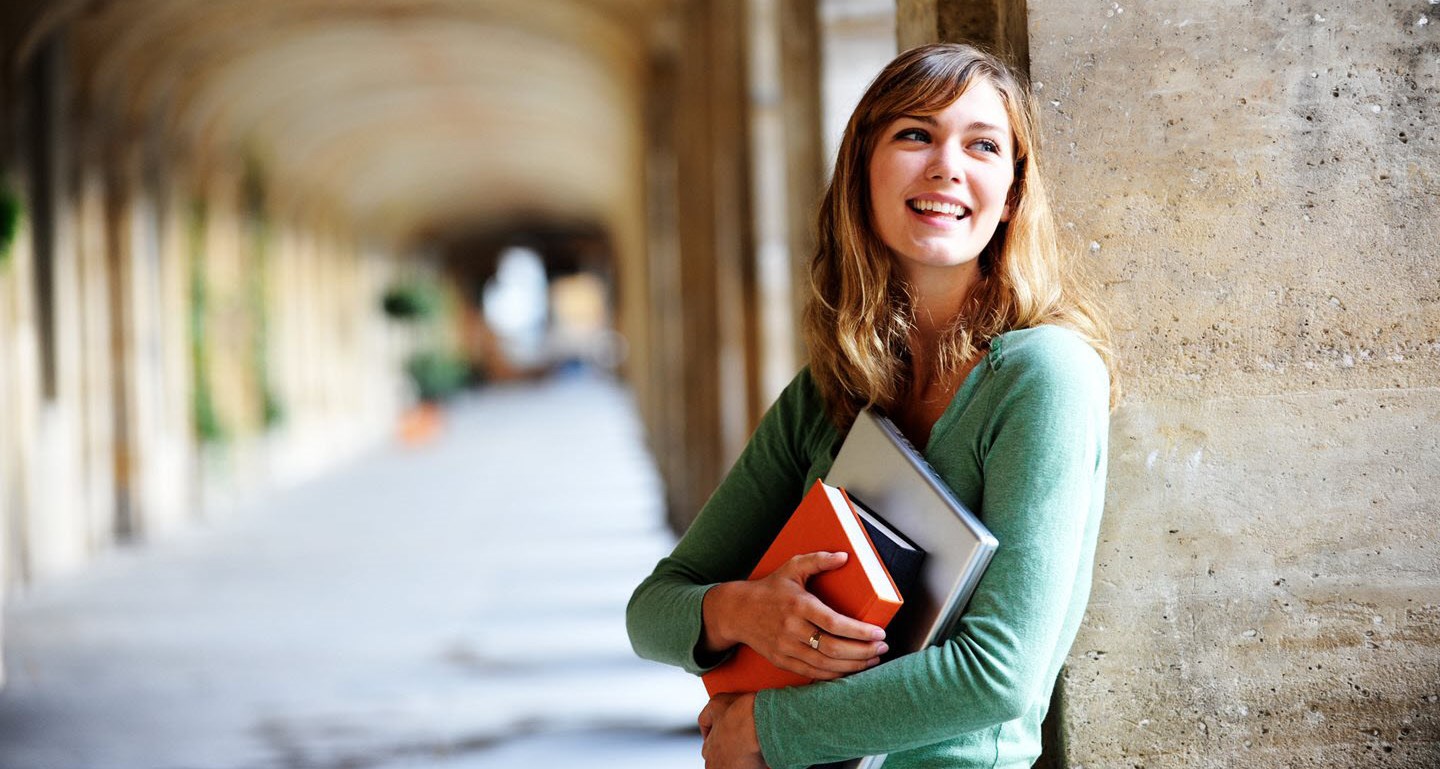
<point>746,705</point>
<point>715,618</point>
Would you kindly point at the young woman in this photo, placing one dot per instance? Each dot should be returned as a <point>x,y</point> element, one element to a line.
<point>941,297</point>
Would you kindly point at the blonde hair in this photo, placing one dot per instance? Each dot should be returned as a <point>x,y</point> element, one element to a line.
<point>859,318</point>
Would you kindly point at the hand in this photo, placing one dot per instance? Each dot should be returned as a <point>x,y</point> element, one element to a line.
<point>776,616</point>
<point>728,726</point>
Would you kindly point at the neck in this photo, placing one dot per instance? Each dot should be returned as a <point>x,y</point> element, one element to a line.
<point>939,295</point>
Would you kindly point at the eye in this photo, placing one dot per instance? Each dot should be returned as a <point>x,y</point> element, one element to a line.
<point>913,134</point>
<point>987,145</point>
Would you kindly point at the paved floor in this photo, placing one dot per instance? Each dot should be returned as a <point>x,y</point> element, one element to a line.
<point>458,606</point>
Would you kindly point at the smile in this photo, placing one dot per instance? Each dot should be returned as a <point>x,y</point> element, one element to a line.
<point>937,207</point>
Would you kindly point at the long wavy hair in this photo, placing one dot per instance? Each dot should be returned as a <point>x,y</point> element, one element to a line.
<point>859,319</point>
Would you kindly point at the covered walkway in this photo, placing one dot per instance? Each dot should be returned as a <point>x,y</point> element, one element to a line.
<point>240,240</point>
<point>456,605</point>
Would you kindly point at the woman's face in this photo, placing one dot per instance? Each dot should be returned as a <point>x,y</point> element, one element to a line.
<point>939,183</point>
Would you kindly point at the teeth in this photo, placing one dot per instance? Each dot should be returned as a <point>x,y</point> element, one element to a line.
<point>953,209</point>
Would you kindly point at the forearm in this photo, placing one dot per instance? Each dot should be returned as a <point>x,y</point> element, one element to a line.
<point>922,698</point>
<point>667,615</point>
<point>664,621</point>
<point>718,610</point>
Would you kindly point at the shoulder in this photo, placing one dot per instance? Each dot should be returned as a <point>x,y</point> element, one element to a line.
<point>1050,361</point>
<point>798,417</point>
<point>801,395</point>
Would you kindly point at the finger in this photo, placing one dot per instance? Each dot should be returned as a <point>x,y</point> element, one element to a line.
<point>802,666</point>
<point>807,565</point>
<point>824,668</point>
<point>706,721</point>
<point>838,668</point>
<point>817,659</point>
<point>839,648</point>
<point>841,626</point>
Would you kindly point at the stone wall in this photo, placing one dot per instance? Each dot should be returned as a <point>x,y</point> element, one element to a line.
<point>1256,184</point>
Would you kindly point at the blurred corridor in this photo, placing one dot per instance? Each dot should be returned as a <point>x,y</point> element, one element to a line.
<point>457,605</point>
<point>275,274</point>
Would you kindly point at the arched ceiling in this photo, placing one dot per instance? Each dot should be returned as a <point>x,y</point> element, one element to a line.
<point>412,116</point>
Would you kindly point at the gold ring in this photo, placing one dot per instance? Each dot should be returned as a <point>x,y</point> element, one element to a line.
<point>815,641</point>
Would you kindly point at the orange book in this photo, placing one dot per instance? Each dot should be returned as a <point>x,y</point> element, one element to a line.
<point>824,521</point>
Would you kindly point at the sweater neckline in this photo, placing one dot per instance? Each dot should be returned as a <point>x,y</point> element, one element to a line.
<point>963,396</point>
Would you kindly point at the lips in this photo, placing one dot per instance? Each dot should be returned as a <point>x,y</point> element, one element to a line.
<point>938,208</point>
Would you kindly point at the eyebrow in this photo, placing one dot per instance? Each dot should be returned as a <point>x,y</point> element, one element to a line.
<point>978,125</point>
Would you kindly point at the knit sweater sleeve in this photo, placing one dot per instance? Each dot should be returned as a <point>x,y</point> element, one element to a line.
<point>732,530</point>
<point>1039,431</point>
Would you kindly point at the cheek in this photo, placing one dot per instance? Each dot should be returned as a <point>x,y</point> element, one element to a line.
<point>998,189</point>
<point>879,180</point>
<point>890,171</point>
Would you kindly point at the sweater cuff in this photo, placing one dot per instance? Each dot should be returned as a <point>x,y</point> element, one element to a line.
<point>772,736</point>
<point>700,661</point>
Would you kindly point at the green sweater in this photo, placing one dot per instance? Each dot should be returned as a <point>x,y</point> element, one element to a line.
<point>1024,444</point>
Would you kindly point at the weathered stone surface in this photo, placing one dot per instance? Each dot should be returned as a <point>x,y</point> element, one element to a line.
<point>1255,183</point>
<point>1266,593</point>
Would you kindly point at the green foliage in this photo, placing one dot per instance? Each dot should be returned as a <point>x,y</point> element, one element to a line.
<point>272,409</point>
<point>411,301</point>
<point>11,209</point>
<point>437,375</point>
<point>207,421</point>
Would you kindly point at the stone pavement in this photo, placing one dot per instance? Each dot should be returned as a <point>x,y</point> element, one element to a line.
<point>456,606</point>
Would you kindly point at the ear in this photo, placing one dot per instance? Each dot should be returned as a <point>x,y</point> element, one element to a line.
<point>1012,197</point>
<point>1012,201</point>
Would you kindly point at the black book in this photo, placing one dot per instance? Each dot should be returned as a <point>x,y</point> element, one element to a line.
<point>878,465</point>
<point>902,557</point>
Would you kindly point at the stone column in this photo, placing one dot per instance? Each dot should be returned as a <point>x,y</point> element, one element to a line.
<point>699,341</point>
<point>770,172</point>
<point>92,311</point>
<point>716,344</point>
<point>995,24</point>
<point>58,533</point>
<point>1256,186</point>
<point>735,252</point>
<point>804,142</point>
<point>664,408</point>
<point>120,258</point>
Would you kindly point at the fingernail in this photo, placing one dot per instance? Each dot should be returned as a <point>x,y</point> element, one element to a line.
<point>884,648</point>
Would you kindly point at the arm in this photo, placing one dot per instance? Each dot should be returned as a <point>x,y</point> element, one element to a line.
<point>697,604</point>
<point>1038,440</point>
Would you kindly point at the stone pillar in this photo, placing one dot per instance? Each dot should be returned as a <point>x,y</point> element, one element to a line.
<point>804,142</point>
<point>735,252</point>
<point>1256,186</point>
<point>857,39</point>
<point>699,380</point>
<point>92,310</point>
<point>120,259</point>
<point>20,388</point>
<point>58,539</point>
<point>716,346</point>
<point>787,176</point>
<point>664,409</point>
<point>175,466</point>
<point>995,24</point>
<point>156,291</point>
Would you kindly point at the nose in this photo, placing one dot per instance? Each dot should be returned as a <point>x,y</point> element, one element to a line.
<point>947,162</point>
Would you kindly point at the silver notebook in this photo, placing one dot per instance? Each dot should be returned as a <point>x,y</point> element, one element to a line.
<point>880,469</point>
